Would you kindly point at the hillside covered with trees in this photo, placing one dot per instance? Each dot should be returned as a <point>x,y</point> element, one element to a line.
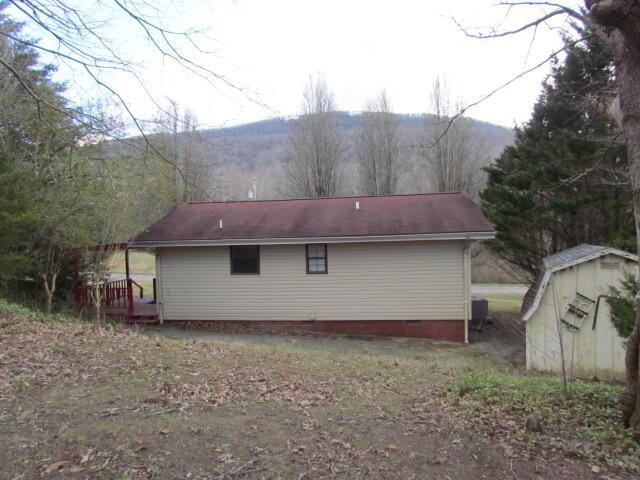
<point>259,151</point>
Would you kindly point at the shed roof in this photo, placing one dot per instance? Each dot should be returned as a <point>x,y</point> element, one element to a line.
<point>559,261</point>
<point>572,254</point>
<point>320,218</point>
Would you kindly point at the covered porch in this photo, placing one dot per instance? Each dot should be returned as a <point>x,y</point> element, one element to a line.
<point>121,296</point>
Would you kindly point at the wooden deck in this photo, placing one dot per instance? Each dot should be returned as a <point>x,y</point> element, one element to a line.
<point>142,311</point>
<point>119,301</point>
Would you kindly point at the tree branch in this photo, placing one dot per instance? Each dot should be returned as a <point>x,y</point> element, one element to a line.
<point>513,79</point>
<point>495,34</point>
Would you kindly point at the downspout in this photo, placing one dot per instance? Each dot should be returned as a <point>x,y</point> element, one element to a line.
<point>159,307</point>
<point>467,288</point>
<point>595,315</point>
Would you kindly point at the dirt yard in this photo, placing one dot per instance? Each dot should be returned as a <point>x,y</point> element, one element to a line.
<point>83,401</point>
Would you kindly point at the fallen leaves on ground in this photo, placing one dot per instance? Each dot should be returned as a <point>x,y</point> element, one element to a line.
<point>99,401</point>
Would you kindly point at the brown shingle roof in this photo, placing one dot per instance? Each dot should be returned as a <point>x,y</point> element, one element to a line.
<point>321,217</point>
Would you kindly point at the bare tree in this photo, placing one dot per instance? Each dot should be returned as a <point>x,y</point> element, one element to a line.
<point>378,148</point>
<point>189,154</point>
<point>452,156</point>
<point>113,225</point>
<point>81,37</point>
<point>316,143</point>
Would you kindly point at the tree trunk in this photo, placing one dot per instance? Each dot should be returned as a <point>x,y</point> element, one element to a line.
<point>628,70</point>
<point>630,401</point>
<point>629,98</point>
<point>97,301</point>
<point>618,21</point>
<point>627,113</point>
<point>630,398</point>
<point>49,290</point>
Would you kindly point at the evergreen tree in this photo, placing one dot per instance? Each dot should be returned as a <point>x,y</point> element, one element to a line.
<point>564,181</point>
<point>51,200</point>
<point>36,140</point>
<point>622,304</point>
<point>18,219</point>
<point>63,185</point>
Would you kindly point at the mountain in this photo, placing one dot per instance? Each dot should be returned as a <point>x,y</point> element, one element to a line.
<point>254,153</point>
<point>251,156</point>
<point>346,120</point>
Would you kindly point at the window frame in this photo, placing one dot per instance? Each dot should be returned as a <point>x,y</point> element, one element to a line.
<point>232,272</point>
<point>325,258</point>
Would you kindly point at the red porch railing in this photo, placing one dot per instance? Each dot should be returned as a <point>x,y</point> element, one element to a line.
<point>118,294</point>
<point>116,297</point>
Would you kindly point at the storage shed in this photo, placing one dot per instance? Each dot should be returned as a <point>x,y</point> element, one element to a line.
<point>567,315</point>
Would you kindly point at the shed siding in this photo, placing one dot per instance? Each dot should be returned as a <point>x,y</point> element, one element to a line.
<point>365,281</point>
<point>595,350</point>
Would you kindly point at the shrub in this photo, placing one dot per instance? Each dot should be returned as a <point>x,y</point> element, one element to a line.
<point>622,303</point>
<point>8,308</point>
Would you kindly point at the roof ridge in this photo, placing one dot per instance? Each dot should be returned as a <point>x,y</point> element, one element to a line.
<point>577,253</point>
<point>327,198</point>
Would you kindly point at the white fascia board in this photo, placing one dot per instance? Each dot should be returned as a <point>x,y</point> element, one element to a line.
<point>536,301</point>
<point>593,256</point>
<point>304,240</point>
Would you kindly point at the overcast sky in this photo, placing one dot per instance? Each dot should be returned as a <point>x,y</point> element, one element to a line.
<point>271,48</point>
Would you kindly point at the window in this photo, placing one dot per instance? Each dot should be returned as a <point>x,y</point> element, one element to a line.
<point>317,258</point>
<point>245,259</point>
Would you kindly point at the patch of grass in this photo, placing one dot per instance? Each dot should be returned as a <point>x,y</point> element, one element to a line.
<point>8,308</point>
<point>139,262</point>
<point>504,302</point>
<point>357,354</point>
<point>587,420</point>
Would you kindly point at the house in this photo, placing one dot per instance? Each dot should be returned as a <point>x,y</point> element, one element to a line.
<point>392,265</point>
<point>567,315</point>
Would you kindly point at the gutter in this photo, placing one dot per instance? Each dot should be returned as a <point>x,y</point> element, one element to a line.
<point>302,240</point>
<point>467,290</point>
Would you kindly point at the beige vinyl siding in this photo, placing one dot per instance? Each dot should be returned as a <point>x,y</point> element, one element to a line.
<point>365,281</point>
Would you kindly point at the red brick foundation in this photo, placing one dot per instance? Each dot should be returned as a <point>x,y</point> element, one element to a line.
<point>437,329</point>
